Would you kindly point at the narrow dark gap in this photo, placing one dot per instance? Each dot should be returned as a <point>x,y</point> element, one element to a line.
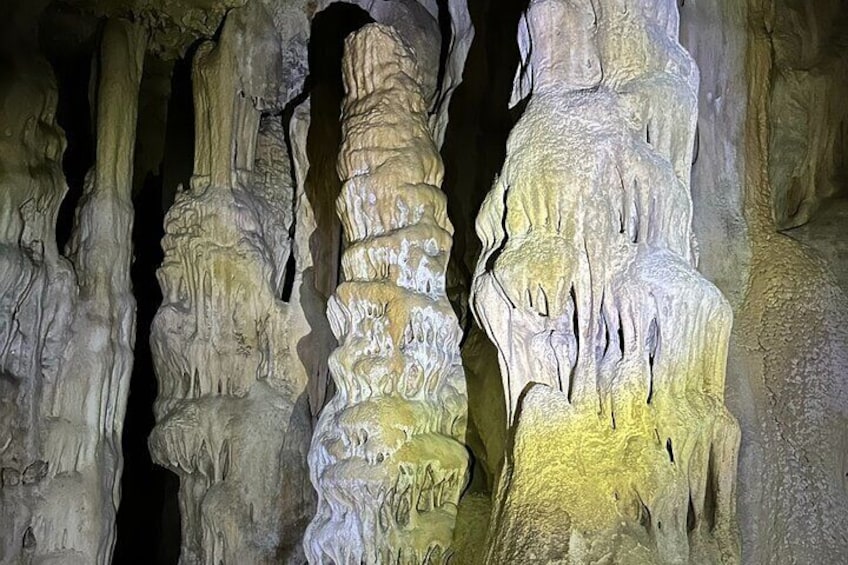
<point>479,123</point>
<point>447,36</point>
<point>288,278</point>
<point>691,517</point>
<point>74,115</point>
<point>322,184</point>
<point>148,522</point>
<point>644,516</point>
<point>575,331</point>
<point>653,348</point>
<point>620,334</point>
<point>710,496</point>
<point>326,91</point>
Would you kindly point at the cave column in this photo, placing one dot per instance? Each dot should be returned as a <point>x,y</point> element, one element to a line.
<point>386,458</point>
<point>232,419</point>
<point>92,396</point>
<point>612,347</point>
<point>67,327</point>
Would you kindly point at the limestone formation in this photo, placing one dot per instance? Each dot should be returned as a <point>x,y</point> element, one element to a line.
<point>314,134</point>
<point>565,403</point>
<point>232,416</point>
<point>67,325</point>
<point>387,459</point>
<point>791,352</point>
<point>809,117</point>
<point>612,347</point>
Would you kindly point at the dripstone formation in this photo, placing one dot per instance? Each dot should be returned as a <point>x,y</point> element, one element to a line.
<point>232,420</point>
<point>66,322</point>
<point>387,458</point>
<point>612,349</point>
<point>423,281</point>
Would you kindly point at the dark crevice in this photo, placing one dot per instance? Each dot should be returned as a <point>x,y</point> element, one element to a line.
<point>644,516</point>
<point>697,149</point>
<point>288,278</point>
<point>75,117</point>
<point>710,496</point>
<point>148,522</point>
<point>479,123</point>
<point>691,518</point>
<point>620,334</point>
<point>446,37</point>
<point>326,91</point>
<point>653,349</point>
<point>575,331</point>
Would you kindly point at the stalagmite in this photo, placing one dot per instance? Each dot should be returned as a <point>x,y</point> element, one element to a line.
<point>440,54</point>
<point>232,415</point>
<point>612,347</point>
<point>386,457</point>
<point>67,326</point>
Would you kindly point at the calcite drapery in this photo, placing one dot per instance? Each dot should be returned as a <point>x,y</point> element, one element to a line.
<point>232,415</point>
<point>67,325</point>
<point>386,457</point>
<point>587,285</point>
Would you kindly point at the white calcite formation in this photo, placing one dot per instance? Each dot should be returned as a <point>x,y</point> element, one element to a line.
<point>612,347</point>
<point>387,459</point>
<point>67,325</point>
<point>317,236</point>
<point>232,416</point>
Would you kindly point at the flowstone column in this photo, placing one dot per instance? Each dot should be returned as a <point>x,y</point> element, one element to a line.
<point>612,347</point>
<point>67,328</point>
<point>232,419</point>
<point>387,458</point>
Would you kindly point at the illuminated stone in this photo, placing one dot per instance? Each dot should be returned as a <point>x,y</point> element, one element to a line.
<point>612,347</point>
<point>387,457</point>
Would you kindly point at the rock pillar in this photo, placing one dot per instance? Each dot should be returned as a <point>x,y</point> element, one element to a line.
<point>612,347</point>
<point>387,457</point>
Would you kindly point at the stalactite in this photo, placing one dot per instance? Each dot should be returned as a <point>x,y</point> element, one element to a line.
<point>69,334</point>
<point>386,457</point>
<point>612,347</point>
<point>232,417</point>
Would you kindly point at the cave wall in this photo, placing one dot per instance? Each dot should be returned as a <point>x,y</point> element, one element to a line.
<point>785,381</point>
<point>714,143</point>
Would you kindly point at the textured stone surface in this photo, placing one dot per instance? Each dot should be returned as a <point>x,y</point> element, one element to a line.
<point>808,116</point>
<point>825,234</point>
<point>790,360</point>
<point>714,33</point>
<point>232,414</point>
<point>611,345</point>
<point>387,458</point>
<point>66,324</point>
